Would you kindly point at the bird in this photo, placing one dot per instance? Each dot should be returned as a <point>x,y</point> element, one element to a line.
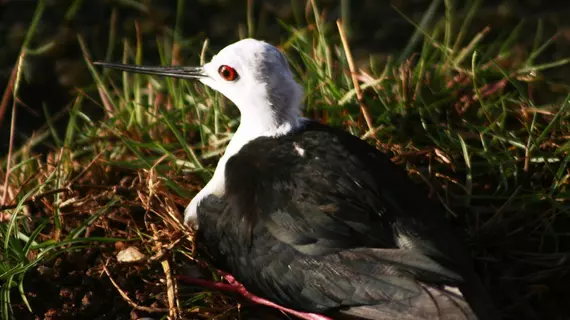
<point>313,220</point>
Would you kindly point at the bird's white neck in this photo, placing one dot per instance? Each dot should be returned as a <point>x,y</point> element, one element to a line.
<point>252,126</point>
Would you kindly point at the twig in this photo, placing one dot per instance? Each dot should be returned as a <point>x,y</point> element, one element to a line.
<point>160,254</point>
<point>14,90</point>
<point>8,93</point>
<point>353,75</point>
<point>170,290</point>
<point>371,133</point>
<point>35,198</point>
<point>128,300</point>
<point>10,150</point>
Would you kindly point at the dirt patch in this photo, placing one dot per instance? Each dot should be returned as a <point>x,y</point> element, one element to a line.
<point>74,286</point>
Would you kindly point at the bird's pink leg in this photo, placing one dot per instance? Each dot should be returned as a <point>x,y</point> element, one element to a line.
<point>234,286</point>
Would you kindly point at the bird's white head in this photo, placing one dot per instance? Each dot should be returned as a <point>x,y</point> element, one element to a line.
<point>256,77</point>
<point>253,74</point>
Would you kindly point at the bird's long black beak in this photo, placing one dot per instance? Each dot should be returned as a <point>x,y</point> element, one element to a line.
<point>171,71</point>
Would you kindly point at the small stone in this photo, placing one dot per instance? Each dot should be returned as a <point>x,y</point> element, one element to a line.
<point>130,254</point>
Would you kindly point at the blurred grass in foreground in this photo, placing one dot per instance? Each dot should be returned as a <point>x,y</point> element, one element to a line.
<point>475,123</point>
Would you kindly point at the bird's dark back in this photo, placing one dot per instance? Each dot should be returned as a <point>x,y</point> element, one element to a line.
<point>300,207</point>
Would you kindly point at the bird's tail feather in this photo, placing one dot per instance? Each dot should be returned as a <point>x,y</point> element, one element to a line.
<point>433,303</point>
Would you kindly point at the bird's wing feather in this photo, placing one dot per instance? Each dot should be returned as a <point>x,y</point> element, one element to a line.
<point>340,193</point>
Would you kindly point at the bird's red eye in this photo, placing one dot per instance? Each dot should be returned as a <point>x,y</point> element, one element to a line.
<point>228,73</point>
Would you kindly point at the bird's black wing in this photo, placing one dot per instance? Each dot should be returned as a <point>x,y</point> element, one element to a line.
<point>321,220</point>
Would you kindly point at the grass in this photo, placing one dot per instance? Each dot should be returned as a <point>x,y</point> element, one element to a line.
<point>481,128</point>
